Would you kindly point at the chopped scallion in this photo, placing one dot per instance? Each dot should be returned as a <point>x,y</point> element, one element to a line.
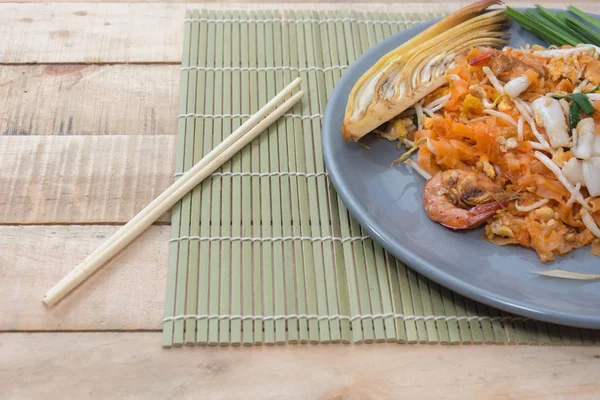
<point>558,28</point>
<point>589,34</point>
<point>584,16</point>
<point>574,115</point>
<point>582,100</point>
<point>537,28</point>
<point>550,18</point>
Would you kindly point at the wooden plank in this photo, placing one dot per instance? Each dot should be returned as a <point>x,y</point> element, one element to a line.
<point>93,365</point>
<point>126,294</point>
<point>79,99</point>
<point>82,179</point>
<point>140,32</point>
<point>292,3</point>
<point>91,33</point>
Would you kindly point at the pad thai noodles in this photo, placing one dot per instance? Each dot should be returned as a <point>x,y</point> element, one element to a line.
<point>511,141</point>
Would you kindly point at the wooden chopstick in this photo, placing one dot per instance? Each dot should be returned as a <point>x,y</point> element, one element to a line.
<point>217,157</point>
<point>243,129</point>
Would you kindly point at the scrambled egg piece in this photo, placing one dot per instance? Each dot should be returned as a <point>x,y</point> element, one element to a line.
<point>592,72</point>
<point>472,105</point>
<point>558,68</point>
<point>397,128</point>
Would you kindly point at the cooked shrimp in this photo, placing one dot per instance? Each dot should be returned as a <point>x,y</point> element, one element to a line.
<point>460,199</point>
<point>510,65</point>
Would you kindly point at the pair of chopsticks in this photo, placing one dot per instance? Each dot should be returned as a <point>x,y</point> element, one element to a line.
<point>268,114</point>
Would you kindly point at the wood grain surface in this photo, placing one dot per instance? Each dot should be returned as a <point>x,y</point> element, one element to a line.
<point>126,294</point>
<point>90,33</point>
<point>82,99</point>
<point>82,179</point>
<point>133,366</point>
<point>135,32</point>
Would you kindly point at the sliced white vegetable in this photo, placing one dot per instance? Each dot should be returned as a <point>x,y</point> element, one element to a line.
<point>497,170</point>
<point>516,86</point>
<point>441,101</point>
<point>502,115</point>
<point>591,175</point>
<point>572,198</point>
<point>583,139</point>
<point>581,86</point>
<point>531,207</point>
<point>431,147</point>
<point>526,105</point>
<point>596,150</point>
<point>573,172</point>
<point>493,80</point>
<point>589,222</point>
<point>438,107</point>
<point>428,112</point>
<point>520,128</point>
<point>561,178</point>
<point>549,114</point>
<point>522,107</point>
<point>558,53</point>
<point>564,274</point>
<point>419,110</point>
<point>408,143</point>
<point>419,170</point>
<point>520,104</point>
<point>538,146</point>
<point>565,106</point>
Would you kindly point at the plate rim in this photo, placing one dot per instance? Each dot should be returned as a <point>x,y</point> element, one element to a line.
<point>414,260</point>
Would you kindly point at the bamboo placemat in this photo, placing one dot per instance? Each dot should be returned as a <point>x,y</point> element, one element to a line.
<point>265,251</point>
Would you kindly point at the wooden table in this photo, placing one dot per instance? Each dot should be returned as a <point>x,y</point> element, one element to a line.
<point>88,99</point>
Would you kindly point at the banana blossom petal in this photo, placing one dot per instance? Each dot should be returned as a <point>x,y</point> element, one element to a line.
<point>416,68</point>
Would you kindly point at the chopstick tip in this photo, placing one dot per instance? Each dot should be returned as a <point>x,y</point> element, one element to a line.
<point>48,300</point>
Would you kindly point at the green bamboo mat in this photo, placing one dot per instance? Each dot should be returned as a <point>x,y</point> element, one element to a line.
<point>264,251</point>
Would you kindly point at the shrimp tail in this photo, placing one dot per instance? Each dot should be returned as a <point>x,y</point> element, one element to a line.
<point>478,215</point>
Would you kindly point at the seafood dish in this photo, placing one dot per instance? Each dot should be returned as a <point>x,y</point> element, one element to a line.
<point>507,139</point>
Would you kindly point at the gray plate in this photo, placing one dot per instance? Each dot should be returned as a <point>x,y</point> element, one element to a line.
<point>387,202</point>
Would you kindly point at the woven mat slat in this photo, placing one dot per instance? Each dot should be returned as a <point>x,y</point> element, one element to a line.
<point>264,251</point>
